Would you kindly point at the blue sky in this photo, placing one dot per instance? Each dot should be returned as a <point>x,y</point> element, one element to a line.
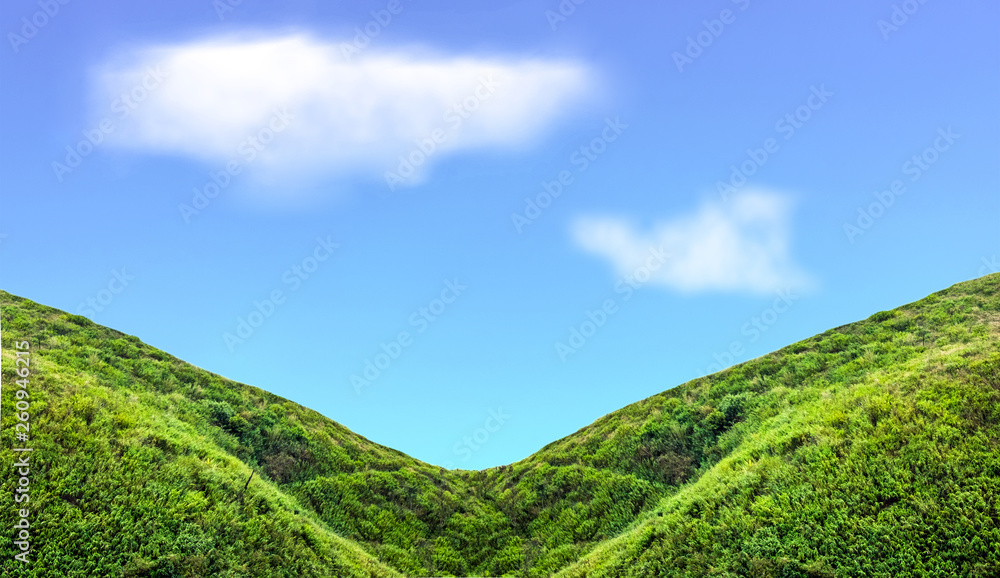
<point>479,226</point>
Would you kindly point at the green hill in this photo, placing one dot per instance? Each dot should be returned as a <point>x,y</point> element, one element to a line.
<point>869,450</point>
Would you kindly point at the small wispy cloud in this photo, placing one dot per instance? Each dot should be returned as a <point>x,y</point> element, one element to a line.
<point>738,246</point>
<point>350,114</point>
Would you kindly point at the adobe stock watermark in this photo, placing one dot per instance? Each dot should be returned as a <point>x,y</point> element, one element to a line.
<point>293,278</point>
<point>420,320</point>
<point>752,329</point>
<point>900,15</point>
<point>363,35</point>
<point>581,158</point>
<point>94,305</point>
<point>123,106</point>
<point>32,25</point>
<point>915,167</point>
<point>787,126</point>
<point>479,437</point>
<point>248,150</point>
<point>563,11</point>
<point>454,117</point>
<point>990,265</point>
<point>595,319</point>
<point>224,7</point>
<point>701,40</point>
<point>21,467</point>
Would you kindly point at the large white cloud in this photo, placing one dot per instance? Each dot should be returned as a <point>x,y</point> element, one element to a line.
<point>350,114</point>
<point>736,246</point>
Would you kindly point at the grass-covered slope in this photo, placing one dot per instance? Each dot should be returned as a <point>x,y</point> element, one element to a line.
<point>868,450</point>
<point>129,477</point>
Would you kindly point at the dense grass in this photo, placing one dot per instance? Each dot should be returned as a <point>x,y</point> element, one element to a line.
<point>868,450</point>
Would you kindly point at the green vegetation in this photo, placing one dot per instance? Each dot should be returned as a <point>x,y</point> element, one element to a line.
<point>869,450</point>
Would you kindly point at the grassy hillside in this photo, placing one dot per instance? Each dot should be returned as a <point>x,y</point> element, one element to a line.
<point>868,450</point>
<point>128,477</point>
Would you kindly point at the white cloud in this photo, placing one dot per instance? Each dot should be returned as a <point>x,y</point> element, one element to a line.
<point>738,246</point>
<point>350,115</point>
